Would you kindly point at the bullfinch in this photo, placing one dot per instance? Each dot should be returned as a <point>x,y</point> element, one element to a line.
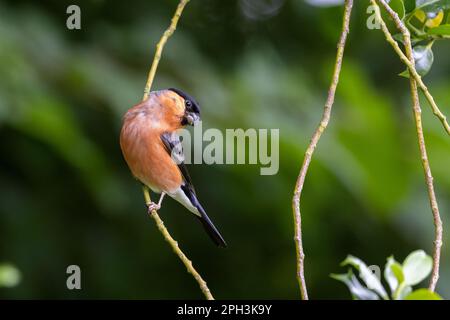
<point>152,149</point>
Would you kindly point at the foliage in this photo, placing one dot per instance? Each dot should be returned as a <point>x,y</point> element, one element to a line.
<point>399,277</point>
<point>427,20</point>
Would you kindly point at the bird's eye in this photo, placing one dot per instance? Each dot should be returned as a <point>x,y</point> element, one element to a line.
<point>188,103</point>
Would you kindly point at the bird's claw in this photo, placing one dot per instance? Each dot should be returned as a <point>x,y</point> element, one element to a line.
<point>153,207</point>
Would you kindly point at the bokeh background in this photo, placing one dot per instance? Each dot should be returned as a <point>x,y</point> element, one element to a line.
<point>67,197</point>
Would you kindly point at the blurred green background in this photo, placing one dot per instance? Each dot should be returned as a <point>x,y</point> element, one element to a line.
<point>67,197</point>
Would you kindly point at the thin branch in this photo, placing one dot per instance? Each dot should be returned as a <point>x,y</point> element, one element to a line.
<point>153,213</point>
<point>422,147</point>
<point>174,244</point>
<point>309,152</point>
<point>411,67</point>
<point>160,46</point>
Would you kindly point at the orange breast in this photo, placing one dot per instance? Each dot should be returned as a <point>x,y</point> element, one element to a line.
<point>146,155</point>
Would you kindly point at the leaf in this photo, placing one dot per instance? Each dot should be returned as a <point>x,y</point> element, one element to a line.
<point>432,6</point>
<point>416,267</point>
<point>429,8</point>
<point>398,37</point>
<point>358,291</point>
<point>398,7</point>
<point>397,269</point>
<point>442,30</point>
<point>423,57</point>
<point>371,281</point>
<point>393,274</point>
<point>410,5</point>
<point>423,2</point>
<point>403,292</point>
<point>434,19</point>
<point>423,294</point>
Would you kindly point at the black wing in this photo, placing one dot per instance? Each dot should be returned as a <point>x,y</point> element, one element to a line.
<point>173,146</point>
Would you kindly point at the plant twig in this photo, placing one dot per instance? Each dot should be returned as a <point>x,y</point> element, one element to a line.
<point>410,65</point>
<point>419,129</point>
<point>312,145</point>
<point>174,244</point>
<point>159,223</point>
<point>160,46</point>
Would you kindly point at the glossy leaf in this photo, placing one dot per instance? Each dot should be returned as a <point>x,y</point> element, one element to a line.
<point>423,294</point>
<point>431,6</point>
<point>371,281</point>
<point>420,15</point>
<point>423,57</point>
<point>442,30</point>
<point>423,2</point>
<point>358,291</point>
<point>416,267</point>
<point>410,5</point>
<point>434,19</point>
<point>403,292</point>
<point>398,7</point>
<point>393,274</point>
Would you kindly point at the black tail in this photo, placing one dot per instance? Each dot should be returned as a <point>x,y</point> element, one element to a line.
<point>209,227</point>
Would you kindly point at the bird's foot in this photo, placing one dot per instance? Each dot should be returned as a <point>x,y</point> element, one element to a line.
<point>153,206</point>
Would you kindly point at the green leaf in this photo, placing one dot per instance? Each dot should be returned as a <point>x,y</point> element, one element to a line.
<point>416,267</point>
<point>371,281</point>
<point>397,269</point>
<point>397,6</point>
<point>429,7</point>
<point>403,292</point>
<point>404,74</point>
<point>442,30</point>
<point>434,19</point>
<point>423,2</point>
<point>432,6</point>
<point>398,37</point>
<point>410,5</point>
<point>423,294</point>
<point>358,291</point>
<point>423,57</point>
<point>393,274</point>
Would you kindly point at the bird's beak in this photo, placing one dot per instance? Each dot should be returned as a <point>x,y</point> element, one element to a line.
<point>192,118</point>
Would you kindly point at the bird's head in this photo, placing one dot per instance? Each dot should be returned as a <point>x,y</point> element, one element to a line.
<point>191,115</point>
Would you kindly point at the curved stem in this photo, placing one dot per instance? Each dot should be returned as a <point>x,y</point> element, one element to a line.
<point>174,244</point>
<point>310,150</point>
<point>159,223</point>
<point>411,67</point>
<point>421,140</point>
<point>160,46</point>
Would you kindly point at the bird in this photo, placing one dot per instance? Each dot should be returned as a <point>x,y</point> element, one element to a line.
<point>152,149</point>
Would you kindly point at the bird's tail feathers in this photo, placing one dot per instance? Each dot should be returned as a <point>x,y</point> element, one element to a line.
<point>209,227</point>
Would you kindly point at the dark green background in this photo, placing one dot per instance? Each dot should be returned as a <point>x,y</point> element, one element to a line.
<point>67,197</point>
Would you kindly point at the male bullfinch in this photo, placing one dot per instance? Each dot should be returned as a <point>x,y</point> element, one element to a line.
<point>153,151</point>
